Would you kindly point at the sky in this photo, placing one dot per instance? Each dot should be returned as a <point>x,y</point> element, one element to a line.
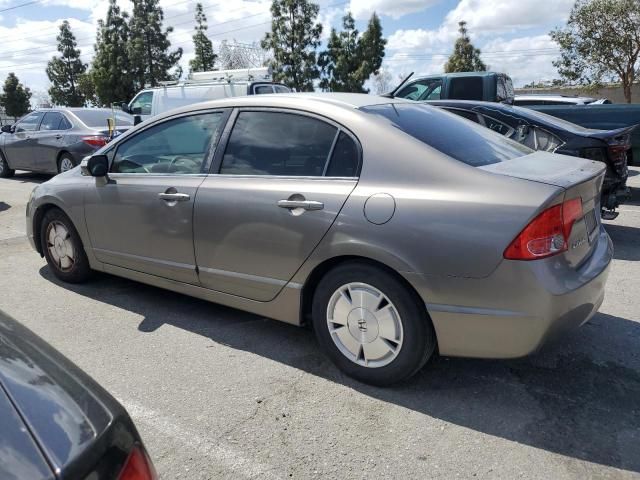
<point>513,35</point>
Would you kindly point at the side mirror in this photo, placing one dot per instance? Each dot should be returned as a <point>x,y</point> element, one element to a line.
<point>98,166</point>
<point>125,107</point>
<point>7,129</point>
<point>137,119</point>
<point>136,111</point>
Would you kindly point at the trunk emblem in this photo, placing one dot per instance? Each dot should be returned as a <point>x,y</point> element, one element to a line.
<point>578,243</point>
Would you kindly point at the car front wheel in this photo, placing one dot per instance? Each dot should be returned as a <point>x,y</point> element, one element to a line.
<point>63,248</point>
<point>371,324</point>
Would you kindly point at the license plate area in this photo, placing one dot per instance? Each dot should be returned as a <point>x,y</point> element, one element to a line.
<point>591,222</point>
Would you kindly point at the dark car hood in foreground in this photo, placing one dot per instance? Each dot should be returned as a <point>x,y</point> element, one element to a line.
<point>71,420</point>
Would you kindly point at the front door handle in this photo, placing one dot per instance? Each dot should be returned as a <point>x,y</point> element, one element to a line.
<point>58,137</point>
<point>174,197</point>
<point>306,204</point>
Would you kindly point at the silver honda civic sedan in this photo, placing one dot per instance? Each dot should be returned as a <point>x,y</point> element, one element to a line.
<point>393,228</point>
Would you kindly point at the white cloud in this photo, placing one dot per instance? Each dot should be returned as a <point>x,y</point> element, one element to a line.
<point>525,59</point>
<point>490,16</point>
<point>362,9</point>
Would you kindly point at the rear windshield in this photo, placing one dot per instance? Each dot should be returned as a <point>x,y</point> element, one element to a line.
<point>454,136</point>
<point>98,118</point>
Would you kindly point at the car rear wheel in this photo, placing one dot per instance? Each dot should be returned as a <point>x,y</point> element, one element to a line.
<point>371,324</point>
<point>63,248</point>
<point>5,171</point>
<point>65,163</point>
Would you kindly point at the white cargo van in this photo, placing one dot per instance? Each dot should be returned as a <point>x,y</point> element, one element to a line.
<point>203,86</point>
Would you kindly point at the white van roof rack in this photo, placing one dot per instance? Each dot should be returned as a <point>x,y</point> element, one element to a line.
<point>240,74</point>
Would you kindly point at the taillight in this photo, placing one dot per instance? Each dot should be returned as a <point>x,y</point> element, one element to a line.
<point>547,234</point>
<point>138,467</point>
<point>618,154</point>
<point>96,140</point>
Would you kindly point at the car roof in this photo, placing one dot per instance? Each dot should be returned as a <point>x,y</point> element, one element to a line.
<point>308,101</point>
<point>73,109</point>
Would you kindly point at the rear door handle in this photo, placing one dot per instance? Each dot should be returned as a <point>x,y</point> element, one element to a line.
<point>306,204</point>
<point>174,197</point>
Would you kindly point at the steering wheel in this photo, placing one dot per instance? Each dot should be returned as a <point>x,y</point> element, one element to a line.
<point>183,160</point>
<point>131,165</point>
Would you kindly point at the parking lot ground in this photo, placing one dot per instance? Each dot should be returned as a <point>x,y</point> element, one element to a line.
<point>218,393</point>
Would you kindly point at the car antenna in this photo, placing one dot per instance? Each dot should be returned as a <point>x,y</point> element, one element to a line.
<point>392,93</point>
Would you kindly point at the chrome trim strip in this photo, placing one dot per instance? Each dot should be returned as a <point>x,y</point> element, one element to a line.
<point>438,307</point>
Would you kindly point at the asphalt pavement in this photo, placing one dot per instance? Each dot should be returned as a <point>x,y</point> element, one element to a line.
<point>218,393</point>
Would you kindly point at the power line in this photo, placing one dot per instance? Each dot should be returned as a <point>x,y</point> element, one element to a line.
<point>19,6</point>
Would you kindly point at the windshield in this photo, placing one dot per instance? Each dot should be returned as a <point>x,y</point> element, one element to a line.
<point>454,136</point>
<point>98,117</point>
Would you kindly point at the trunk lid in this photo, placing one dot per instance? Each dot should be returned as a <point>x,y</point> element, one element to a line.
<point>578,178</point>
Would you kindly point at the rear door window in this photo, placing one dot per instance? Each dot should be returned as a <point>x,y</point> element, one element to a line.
<point>278,143</point>
<point>471,144</point>
<point>51,121</point>
<point>345,158</point>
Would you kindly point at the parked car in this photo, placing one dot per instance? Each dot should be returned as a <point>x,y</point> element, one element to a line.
<point>203,86</point>
<point>487,86</point>
<point>527,99</point>
<point>54,140</point>
<point>544,132</point>
<point>57,422</point>
<point>602,117</point>
<point>300,207</point>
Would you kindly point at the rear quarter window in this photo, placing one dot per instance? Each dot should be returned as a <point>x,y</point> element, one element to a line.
<point>465,141</point>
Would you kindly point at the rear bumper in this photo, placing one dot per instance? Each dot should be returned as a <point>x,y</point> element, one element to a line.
<point>516,309</point>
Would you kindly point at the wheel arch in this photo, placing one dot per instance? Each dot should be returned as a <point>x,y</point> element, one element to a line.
<point>38,215</point>
<point>62,152</point>
<point>320,270</point>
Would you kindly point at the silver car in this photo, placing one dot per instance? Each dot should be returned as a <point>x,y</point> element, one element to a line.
<point>54,140</point>
<point>395,228</point>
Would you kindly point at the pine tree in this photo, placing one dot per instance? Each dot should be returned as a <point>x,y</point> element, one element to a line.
<point>111,69</point>
<point>293,40</point>
<point>149,45</point>
<point>204,59</point>
<point>350,60</point>
<point>465,57</point>
<point>15,97</point>
<point>371,48</point>
<point>64,71</point>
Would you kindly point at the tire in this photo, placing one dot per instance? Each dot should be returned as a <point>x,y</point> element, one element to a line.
<point>63,248</point>
<point>343,326</point>
<point>5,171</point>
<point>65,163</point>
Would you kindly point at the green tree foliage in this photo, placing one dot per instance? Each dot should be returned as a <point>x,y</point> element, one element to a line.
<point>293,39</point>
<point>63,71</point>
<point>111,70</point>
<point>149,45</point>
<point>350,60</point>
<point>15,97</point>
<point>601,39</point>
<point>465,57</point>
<point>204,59</point>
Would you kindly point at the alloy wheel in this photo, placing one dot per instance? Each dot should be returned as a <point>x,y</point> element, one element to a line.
<point>364,325</point>
<point>60,246</point>
<point>66,164</point>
